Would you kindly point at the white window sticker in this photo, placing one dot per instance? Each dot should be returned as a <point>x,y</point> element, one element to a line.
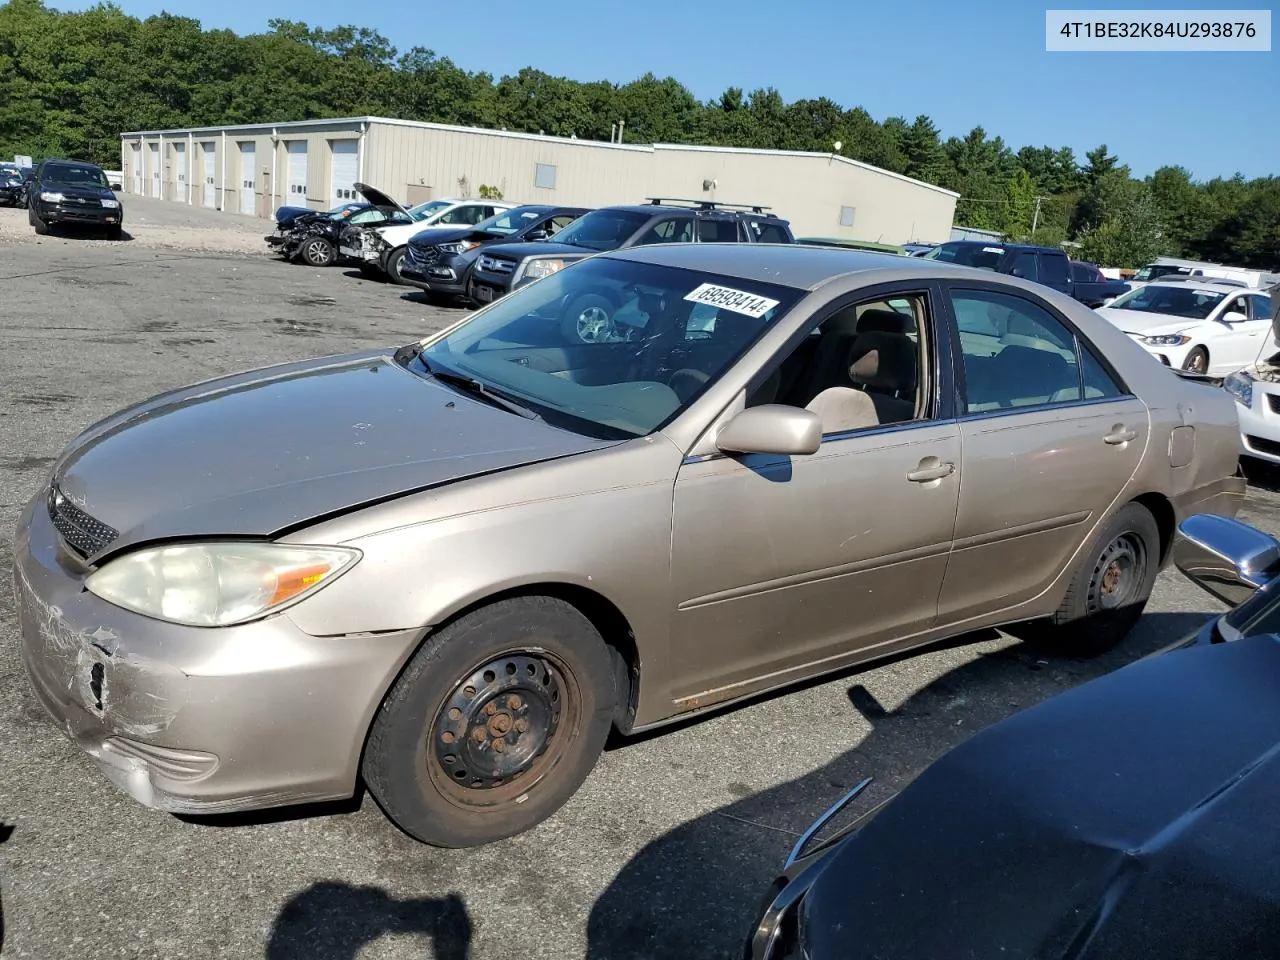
<point>993,249</point>
<point>727,298</point>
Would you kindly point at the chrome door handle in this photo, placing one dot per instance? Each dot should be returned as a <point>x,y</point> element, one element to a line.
<point>937,472</point>
<point>1119,434</point>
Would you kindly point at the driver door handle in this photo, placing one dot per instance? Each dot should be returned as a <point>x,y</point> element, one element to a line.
<point>1119,434</point>
<point>923,474</point>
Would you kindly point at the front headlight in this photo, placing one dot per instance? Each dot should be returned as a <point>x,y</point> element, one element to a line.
<point>1167,340</point>
<point>462,246</point>
<point>51,196</point>
<point>108,204</point>
<point>1240,386</point>
<point>217,584</point>
<point>537,269</point>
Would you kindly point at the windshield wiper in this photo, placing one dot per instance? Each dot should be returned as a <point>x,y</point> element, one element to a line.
<point>480,389</point>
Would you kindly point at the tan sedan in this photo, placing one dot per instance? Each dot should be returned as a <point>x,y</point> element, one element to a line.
<point>450,569</point>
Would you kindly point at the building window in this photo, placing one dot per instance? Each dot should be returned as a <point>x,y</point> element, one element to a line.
<point>846,216</point>
<point>544,176</point>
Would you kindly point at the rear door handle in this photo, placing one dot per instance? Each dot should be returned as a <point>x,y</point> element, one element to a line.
<point>937,471</point>
<point>1119,434</point>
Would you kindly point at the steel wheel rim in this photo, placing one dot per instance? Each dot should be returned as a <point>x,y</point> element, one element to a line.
<point>1118,574</point>
<point>318,251</point>
<point>524,700</point>
<point>594,325</point>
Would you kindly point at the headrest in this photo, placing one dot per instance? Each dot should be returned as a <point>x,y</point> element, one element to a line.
<point>882,321</point>
<point>883,360</point>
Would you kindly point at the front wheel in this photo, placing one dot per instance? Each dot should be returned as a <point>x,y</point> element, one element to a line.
<point>42,228</point>
<point>317,252</point>
<point>494,724</point>
<point>1111,584</point>
<point>1197,361</point>
<point>393,266</point>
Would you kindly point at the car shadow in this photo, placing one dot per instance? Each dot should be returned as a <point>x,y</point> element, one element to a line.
<point>6,831</point>
<point>694,892</point>
<point>336,921</point>
<point>357,274</point>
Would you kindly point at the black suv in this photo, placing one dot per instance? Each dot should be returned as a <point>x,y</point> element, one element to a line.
<point>503,267</point>
<point>75,193</point>
<point>1047,265</point>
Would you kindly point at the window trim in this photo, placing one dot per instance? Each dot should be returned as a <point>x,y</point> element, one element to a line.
<point>951,288</point>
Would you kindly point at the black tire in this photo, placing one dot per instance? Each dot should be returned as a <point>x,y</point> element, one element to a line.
<point>317,252</point>
<point>1111,585</point>
<point>423,762</point>
<point>589,316</point>
<point>115,233</point>
<point>1197,361</point>
<point>42,228</point>
<point>393,266</point>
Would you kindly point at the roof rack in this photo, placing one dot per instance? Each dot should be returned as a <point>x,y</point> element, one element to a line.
<point>707,204</point>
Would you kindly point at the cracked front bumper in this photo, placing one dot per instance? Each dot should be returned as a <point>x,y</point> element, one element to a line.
<point>188,719</point>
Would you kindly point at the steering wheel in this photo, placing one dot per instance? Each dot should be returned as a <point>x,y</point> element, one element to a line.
<point>686,382</point>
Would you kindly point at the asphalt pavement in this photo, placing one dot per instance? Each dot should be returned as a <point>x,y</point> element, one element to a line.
<point>665,851</point>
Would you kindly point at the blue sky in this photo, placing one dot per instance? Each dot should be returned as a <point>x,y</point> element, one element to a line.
<point>963,64</point>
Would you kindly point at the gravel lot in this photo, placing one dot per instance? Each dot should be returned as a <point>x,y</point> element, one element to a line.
<point>664,852</point>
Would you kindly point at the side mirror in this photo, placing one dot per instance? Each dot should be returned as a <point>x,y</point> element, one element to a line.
<point>116,186</point>
<point>1227,558</point>
<point>1234,316</point>
<point>772,428</point>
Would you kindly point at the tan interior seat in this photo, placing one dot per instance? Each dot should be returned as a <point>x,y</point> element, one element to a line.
<point>883,365</point>
<point>844,408</point>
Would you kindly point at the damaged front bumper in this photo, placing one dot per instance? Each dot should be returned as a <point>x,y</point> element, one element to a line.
<point>189,719</point>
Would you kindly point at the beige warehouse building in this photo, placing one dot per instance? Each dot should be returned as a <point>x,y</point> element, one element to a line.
<point>254,169</point>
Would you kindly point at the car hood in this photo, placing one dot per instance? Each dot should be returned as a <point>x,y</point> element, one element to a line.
<point>1129,817</point>
<point>378,198</point>
<point>265,451</point>
<point>536,248</point>
<point>1147,324</point>
<point>451,234</point>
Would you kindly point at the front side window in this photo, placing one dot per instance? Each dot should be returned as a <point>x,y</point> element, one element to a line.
<point>1022,356</point>
<point>1053,269</point>
<point>528,348</point>
<point>1024,265</point>
<point>1238,305</point>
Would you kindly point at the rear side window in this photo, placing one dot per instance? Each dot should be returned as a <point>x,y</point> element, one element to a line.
<point>765,232</point>
<point>1022,356</point>
<point>1082,273</point>
<point>1024,265</point>
<point>715,230</point>
<point>1053,269</point>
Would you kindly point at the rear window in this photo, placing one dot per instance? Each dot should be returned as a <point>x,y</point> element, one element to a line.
<point>986,256</point>
<point>716,230</point>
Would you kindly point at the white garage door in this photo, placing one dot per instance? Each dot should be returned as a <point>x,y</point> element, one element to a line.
<point>346,167</point>
<point>135,165</point>
<point>210,168</point>
<point>180,168</point>
<point>153,154</point>
<point>297,173</point>
<point>247,199</point>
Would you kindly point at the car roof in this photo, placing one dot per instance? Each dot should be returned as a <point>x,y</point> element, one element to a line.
<point>1001,244</point>
<point>654,209</point>
<point>787,264</point>
<point>71,163</point>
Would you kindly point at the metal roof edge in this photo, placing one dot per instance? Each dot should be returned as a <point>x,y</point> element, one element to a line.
<point>807,153</point>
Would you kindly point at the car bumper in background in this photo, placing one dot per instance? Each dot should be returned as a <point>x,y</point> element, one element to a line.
<point>195,720</point>
<point>1260,426</point>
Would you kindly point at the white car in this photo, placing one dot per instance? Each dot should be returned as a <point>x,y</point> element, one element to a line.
<point>1210,328</point>
<point>379,248</point>
<point>1257,393</point>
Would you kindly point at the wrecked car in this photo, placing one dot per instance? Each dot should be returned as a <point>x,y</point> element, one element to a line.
<point>379,248</point>
<point>1130,816</point>
<point>13,191</point>
<point>311,237</point>
<point>450,569</point>
<point>439,259</point>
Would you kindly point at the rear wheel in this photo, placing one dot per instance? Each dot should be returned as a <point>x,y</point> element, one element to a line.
<point>1197,361</point>
<point>1111,584</point>
<point>317,252</point>
<point>494,724</point>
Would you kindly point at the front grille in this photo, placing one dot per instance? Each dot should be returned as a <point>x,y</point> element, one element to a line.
<point>82,532</point>
<point>1273,401</point>
<point>424,256</point>
<point>494,265</point>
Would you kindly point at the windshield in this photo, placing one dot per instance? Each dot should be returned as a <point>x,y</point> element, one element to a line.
<point>67,173</point>
<point>985,257</point>
<point>424,210</point>
<point>602,229</point>
<point>1177,301</point>
<point>510,221</point>
<point>609,348</point>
